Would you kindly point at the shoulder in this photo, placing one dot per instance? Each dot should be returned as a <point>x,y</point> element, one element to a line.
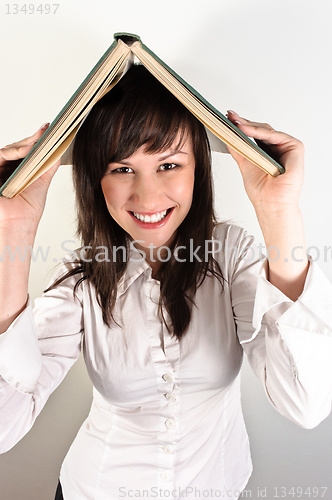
<point>232,245</point>
<point>67,280</point>
<point>232,234</point>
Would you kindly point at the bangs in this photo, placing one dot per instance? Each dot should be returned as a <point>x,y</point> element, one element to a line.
<point>137,112</point>
<point>157,130</point>
<point>147,114</point>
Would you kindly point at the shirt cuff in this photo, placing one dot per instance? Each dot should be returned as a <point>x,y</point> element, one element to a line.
<point>311,312</point>
<point>20,356</point>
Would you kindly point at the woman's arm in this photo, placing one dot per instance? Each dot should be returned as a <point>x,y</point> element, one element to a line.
<point>288,343</point>
<point>36,353</point>
<point>19,219</point>
<point>275,200</point>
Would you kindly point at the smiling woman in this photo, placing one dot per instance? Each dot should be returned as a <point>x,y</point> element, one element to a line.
<point>164,323</point>
<point>149,154</point>
<point>151,198</point>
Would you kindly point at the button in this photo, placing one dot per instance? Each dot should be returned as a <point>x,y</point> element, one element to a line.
<point>167,449</point>
<point>170,423</point>
<point>170,396</point>
<point>168,377</point>
<point>165,476</point>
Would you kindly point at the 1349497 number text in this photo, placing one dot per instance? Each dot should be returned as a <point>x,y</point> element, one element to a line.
<point>31,8</point>
<point>299,492</point>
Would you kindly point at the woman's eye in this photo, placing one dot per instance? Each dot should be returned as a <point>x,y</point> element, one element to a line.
<point>168,166</point>
<point>121,170</point>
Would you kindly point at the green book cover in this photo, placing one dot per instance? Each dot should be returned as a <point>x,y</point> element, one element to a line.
<point>129,39</point>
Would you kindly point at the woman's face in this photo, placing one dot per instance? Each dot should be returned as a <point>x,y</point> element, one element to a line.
<point>149,195</point>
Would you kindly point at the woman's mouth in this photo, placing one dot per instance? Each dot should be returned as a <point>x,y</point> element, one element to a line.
<point>152,220</point>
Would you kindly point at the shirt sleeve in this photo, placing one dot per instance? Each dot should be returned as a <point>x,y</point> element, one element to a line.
<point>288,344</point>
<point>36,353</point>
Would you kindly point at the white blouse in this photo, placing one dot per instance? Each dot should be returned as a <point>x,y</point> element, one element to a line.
<point>166,416</point>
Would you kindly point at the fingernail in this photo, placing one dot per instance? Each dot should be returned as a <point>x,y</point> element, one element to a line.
<point>231,111</point>
<point>44,126</point>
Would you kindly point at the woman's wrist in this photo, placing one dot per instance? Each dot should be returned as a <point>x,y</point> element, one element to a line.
<point>16,243</point>
<point>16,233</point>
<point>277,214</point>
<point>283,233</point>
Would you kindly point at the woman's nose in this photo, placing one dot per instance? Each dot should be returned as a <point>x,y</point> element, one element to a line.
<point>147,193</point>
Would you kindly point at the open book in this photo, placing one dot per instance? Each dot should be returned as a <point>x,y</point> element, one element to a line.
<point>125,49</point>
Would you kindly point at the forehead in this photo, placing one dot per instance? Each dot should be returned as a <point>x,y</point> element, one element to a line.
<point>155,132</point>
<point>182,145</point>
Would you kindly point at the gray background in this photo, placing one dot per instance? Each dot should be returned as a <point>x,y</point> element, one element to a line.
<point>270,61</point>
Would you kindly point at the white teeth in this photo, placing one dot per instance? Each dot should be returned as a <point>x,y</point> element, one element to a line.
<point>151,218</point>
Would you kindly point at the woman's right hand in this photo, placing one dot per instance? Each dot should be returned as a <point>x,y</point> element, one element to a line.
<point>19,218</point>
<point>26,208</point>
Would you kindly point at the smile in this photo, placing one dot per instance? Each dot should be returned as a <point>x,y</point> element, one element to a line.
<point>156,217</point>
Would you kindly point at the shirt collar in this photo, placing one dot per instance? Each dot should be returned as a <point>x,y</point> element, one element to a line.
<point>136,266</point>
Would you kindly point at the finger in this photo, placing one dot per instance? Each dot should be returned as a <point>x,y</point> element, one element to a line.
<point>29,140</point>
<point>14,153</point>
<point>263,132</point>
<point>49,174</point>
<point>278,141</point>
<point>240,120</point>
<point>20,149</point>
<point>280,146</point>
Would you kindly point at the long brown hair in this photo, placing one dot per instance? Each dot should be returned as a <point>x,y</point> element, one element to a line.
<point>140,111</point>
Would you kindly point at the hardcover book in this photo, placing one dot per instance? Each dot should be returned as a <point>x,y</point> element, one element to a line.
<point>128,49</point>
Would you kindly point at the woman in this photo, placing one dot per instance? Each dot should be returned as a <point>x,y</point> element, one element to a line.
<point>163,301</point>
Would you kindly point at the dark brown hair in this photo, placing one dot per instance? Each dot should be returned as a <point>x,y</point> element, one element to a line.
<point>140,111</point>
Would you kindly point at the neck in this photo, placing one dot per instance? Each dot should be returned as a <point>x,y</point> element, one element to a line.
<point>155,256</point>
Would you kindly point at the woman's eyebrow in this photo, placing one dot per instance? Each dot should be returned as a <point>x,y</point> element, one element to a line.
<point>162,157</point>
<point>123,162</point>
<point>167,154</point>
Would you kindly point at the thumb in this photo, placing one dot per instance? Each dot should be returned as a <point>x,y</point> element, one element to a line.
<point>49,174</point>
<point>39,187</point>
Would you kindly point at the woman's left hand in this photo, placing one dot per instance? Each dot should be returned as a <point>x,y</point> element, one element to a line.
<point>275,200</point>
<point>269,193</point>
